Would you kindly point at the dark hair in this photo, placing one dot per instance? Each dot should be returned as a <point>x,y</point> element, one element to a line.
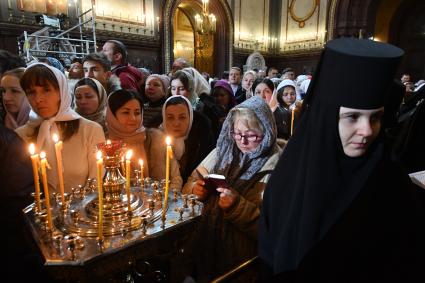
<point>177,100</point>
<point>271,68</point>
<point>182,76</point>
<point>287,70</point>
<point>76,60</point>
<point>99,58</point>
<point>266,81</point>
<point>38,75</point>
<point>119,47</point>
<point>86,81</point>
<point>225,75</point>
<point>279,95</point>
<point>9,61</point>
<point>120,97</point>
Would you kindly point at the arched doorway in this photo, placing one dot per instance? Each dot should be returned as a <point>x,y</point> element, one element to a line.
<point>220,55</point>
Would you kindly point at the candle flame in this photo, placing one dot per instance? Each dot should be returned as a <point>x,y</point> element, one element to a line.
<point>31,148</point>
<point>42,155</point>
<point>129,154</point>
<point>168,140</point>
<point>141,162</point>
<point>99,155</point>
<point>108,141</point>
<point>55,138</point>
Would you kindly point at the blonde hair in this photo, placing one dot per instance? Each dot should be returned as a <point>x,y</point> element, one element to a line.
<point>247,117</point>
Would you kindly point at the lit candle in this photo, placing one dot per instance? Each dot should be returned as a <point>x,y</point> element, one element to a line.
<point>100,193</point>
<point>167,175</point>
<point>127,177</point>
<point>46,189</point>
<point>58,151</point>
<point>141,171</point>
<point>35,161</point>
<point>292,121</point>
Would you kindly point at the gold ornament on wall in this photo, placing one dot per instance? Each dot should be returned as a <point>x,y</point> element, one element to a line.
<point>310,5</point>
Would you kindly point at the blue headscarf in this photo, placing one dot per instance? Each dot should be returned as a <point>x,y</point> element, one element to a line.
<point>251,162</point>
<point>56,63</point>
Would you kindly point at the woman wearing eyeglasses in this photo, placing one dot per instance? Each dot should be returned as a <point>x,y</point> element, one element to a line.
<point>246,153</point>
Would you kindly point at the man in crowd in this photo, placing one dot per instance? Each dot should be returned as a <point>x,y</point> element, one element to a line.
<point>235,77</point>
<point>130,77</point>
<point>97,66</point>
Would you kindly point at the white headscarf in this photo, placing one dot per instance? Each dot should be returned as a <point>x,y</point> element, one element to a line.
<point>178,143</point>
<point>285,83</point>
<point>65,112</point>
<point>200,84</point>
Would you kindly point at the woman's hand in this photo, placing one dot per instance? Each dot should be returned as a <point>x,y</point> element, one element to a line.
<point>227,198</point>
<point>199,190</point>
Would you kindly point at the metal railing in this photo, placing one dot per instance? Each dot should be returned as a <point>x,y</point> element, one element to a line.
<point>57,43</point>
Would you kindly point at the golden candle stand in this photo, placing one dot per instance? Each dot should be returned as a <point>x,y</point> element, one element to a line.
<point>72,250</point>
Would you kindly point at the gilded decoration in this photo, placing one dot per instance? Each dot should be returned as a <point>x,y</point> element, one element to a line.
<point>307,7</point>
<point>169,9</point>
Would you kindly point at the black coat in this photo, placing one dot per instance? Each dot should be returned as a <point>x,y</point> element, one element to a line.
<point>199,143</point>
<point>21,263</point>
<point>379,238</point>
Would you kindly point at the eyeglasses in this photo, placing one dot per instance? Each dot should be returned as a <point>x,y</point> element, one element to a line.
<point>250,138</point>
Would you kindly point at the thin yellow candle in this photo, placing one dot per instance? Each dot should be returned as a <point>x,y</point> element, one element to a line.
<point>292,121</point>
<point>35,161</point>
<point>167,175</point>
<point>100,193</point>
<point>46,189</point>
<point>122,165</point>
<point>58,151</point>
<point>141,170</point>
<point>127,177</point>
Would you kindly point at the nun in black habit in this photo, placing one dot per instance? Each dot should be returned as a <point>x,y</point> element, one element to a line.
<point>337,209</point>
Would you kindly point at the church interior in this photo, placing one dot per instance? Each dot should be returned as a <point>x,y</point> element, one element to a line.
<point>152,211</point>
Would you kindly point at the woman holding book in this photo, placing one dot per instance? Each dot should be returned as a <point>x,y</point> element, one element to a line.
<point>246,154</point>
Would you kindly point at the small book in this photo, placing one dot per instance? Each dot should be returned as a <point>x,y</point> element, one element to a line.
<point>418,178</point>
<point>212,181</point>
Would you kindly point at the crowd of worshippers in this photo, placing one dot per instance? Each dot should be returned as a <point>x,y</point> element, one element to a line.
<point>323,133</point>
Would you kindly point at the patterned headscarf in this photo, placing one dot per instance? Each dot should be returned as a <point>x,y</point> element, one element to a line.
<point>251,162</point>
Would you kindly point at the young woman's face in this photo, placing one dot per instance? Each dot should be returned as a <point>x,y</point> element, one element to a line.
<point>13,94</point>
<point>177,119</point>
<point>264,91</point>
<point>247,140</point>
<point>153,89</point>
<point>130,115</point>
<point>358,129</point>
<point>44,100</point>
<point>247,82</point>
<point>177,88</point>
<point>86,99</point>
<point>222,97</point>
<point>288,95</point>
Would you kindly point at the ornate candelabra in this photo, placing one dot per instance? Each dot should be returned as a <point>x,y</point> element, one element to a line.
<point>73,242</point>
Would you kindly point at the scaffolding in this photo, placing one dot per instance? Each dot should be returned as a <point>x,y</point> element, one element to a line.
<point>51,41</point>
